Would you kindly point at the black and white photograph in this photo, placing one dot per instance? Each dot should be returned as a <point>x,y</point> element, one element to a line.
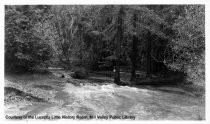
<point>105,62</point>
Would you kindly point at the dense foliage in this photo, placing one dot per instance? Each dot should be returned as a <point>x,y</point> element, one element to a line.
<point>151,38</point>
<point>25,47</point>
<point>189,44</point>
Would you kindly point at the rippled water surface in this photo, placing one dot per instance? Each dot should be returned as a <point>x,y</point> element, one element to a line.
<point>110,99</point>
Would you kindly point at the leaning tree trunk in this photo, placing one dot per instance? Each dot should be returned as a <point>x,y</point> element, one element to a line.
<point>134,52</point>
<point>148,56</point>
<point>119,39</point>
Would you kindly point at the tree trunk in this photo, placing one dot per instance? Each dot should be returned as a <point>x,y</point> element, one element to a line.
<point>119,39</point>
<point>134,52</point>
<point>148,56</point>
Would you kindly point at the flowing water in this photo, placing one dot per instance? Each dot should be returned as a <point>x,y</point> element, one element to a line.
<point>110,99</point>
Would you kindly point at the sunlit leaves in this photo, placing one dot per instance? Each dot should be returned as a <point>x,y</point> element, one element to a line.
<point>189,44</point>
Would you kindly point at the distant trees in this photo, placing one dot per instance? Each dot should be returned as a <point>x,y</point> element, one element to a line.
<point>75,36</point>
<point>65,27</point>
<point>24,46</point>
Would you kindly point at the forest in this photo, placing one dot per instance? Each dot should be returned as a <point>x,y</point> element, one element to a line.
<point>83,53</point>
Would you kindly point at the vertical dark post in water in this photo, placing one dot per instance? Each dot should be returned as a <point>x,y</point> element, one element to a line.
<point>119,39</point>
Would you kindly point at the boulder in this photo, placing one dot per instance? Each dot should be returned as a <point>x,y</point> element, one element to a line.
<point>80,73</point>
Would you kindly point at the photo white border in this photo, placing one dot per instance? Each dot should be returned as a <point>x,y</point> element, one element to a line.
<point>90,2</point>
